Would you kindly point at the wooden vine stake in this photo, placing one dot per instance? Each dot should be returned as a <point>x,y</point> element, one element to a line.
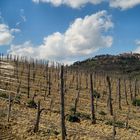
<point>119,92</point>
<point>36,127</point>
<point>9,108</point>
<point>49,83</point>
<point>135,89</point>
<point>127,118</point>
<point>76,101</point>
<point>109,102</point>
<point>28,86</point>
<point>125,91</point>
<point>130,87</point>
<point>62,111</point>
<point>93,119</point>
<point>114,127</point>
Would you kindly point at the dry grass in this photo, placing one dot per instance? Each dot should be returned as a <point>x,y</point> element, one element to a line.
<point>22,118</point>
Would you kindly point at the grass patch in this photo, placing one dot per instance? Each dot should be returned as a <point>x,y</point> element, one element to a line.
<point>96,94</point>
<point>136,102</point>
<point>119,124</point>
<point>4,95</point>
<point>17,99</point>
<point>73,118</point>
<point>31,104</point>
<point>83,116</point>
<point>72,110</point>
<point>102,113</point>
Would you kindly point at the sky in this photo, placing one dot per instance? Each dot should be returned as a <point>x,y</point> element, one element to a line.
<point>69,30</point>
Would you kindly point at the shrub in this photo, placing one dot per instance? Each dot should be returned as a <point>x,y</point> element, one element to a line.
<point>78,114</point>
<point>96,94</point>
<point>73,118</point>
<point>56,132</point>
<point>17,99</point>
<point>102,113</point>
<point>136,102</point>
<point>72,109</point>
<point>83,115</point>
<point>31,104</point>
<point>4,95</point>
<point>117,123</point>
<point>52,132</point>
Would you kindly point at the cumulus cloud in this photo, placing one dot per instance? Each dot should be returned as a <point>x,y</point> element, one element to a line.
<point>123,4</point>
<point>71,3</point>
<point>27,49</point>
<point>5,35</point>
<point>82,38</point>
<point>137,50</point>
<point>137,42</point>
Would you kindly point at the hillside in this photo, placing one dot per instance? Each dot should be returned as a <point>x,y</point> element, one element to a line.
<point>31,87</point>
<point>126,63</point>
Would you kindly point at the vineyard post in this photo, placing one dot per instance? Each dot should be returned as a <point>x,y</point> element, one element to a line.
<point>127,118</point>
<point>76,101</point>
<point>109,102</point>
<point>28,88</point>
<point>130,87</point>
<point>62,111</point>
<point>125,91</point>
<point>49,83</point>
<point>135,90</point>
<point>86,81</point>
<point>77,80</point>
<point>9,108</point>
<point>36,127</point>
<point>93,120</point>
<point>119,92</point>
<point>114,127</point>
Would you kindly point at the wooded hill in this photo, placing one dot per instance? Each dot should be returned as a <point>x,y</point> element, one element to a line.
<point>126,63</point>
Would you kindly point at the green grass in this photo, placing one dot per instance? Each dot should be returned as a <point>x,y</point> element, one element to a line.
<point>119,124</point>
<point>4,95</point>
<point>136,102</point>
<point>31,104</point>
<point>102,113</point>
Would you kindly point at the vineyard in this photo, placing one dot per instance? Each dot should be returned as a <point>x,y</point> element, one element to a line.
<point>43,100</point>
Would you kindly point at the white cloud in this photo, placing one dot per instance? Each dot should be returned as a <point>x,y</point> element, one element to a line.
<point>123,4</point>
<point>6,34</point>
<point>137,50</point>
<point>82,38</point>
<point>137,42</point>
<point>25,49</point>
<point>71,3</point>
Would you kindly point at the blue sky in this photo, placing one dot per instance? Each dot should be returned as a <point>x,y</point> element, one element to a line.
<point>68,31</point>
